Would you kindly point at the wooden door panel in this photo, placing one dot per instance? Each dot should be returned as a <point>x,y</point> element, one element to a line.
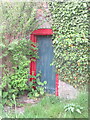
<point>45,52</point>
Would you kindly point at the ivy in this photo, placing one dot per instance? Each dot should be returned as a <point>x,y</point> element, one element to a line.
<point>70,41</point>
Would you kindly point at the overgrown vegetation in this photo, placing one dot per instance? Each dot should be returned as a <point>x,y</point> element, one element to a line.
<point>18,81</point>
<point>70,39</point>
<point>17,22</point>
<point>14,82</point>
<point>70,26</point>
<point>18,18</point>
<point>54,107</point>
<point>36,87</point>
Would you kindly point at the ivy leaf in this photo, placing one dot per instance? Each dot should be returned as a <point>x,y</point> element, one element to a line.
<point>84,4</point>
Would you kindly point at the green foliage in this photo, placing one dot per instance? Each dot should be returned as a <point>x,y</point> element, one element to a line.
<point>1,106</point>
<point>19,51</point>
<point>15,103</point>
<point>15,82</point>
<point>73,108</point>
<point>17,22</point>
<point>70,40</point>
<point>36,87</point>
<point>17,18</point>
<point>54,107</point>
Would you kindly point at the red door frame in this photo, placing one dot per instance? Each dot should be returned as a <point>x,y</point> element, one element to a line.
<point>33,38</point>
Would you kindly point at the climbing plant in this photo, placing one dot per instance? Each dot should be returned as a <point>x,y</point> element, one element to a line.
<point>70,39</point>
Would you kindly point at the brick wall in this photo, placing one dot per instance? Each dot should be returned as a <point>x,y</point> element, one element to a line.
<point>43,15</point>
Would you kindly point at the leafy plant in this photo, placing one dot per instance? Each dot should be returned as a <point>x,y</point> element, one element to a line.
<point>14,84</point>
<point>73,108</point>
<point>36,87</point>
<point>15,103</point>
<point>17,19</point>
<point>70,40</point>
<point>15,81</point>
<point>17,22</point>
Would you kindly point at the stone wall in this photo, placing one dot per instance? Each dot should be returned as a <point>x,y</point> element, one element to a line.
<point>66,91</point>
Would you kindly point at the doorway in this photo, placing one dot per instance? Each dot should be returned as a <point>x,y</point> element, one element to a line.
<point>45,52</point>
<point>44,39</point>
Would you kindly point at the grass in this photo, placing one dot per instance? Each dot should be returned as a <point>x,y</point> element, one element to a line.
<point>53,107</point>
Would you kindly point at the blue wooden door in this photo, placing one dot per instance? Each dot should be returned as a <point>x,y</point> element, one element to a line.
<point>45,52</point>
